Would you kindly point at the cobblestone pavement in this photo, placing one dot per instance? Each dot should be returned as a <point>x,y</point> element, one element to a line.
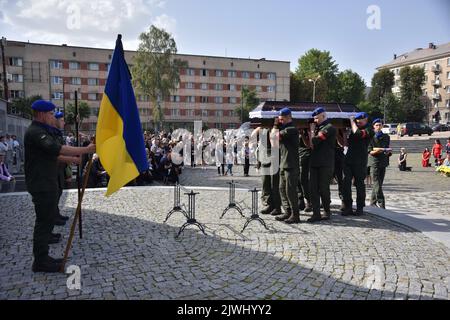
<point>127,252</point>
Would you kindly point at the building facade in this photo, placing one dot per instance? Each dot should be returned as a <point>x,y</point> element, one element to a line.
<point>209,89</point>
<point>435,60</point>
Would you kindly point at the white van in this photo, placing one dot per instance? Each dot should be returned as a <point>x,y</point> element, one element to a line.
<point>390,128</point>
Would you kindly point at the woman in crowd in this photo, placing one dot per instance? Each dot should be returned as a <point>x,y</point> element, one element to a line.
<point>437,152</point>
<point>402,159</point>
<point>426,155</point>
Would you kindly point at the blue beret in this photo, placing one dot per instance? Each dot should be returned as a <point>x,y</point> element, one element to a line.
<point>285,112</point>
<point>318,111</point>
<point>43,106</point>
<point>361,115</point>
<point>377,120</point>
<point>59,115</point>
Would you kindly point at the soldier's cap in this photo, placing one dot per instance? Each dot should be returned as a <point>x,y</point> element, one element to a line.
<point>285,112</point>
<point>43,106</point>
<point>318,111</point>
<point>361,115</point>
<point>377,120</point>
<point>59,115</point>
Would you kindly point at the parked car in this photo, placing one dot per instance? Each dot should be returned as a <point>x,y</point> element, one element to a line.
<point>412,128</point>
<point>441,127</point>
<point>390,128</point>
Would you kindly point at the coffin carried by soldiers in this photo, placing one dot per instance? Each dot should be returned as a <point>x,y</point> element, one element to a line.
<point>338,113</point>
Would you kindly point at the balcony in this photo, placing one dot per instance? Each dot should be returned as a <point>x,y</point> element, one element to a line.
<point>436,83</point>
<point>436,96</point>
<point>436,68</point>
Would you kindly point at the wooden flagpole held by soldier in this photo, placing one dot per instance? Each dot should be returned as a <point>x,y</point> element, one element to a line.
<point>77,216</point>
<point>80,226</point>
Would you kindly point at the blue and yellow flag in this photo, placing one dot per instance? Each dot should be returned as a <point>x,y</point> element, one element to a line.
<point>119,138</point>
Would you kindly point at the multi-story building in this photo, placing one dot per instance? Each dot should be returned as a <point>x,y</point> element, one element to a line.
<point>435,60</point>
<point>209,90</point>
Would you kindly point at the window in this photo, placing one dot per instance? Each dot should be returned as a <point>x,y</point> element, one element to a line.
<point>218,99</point>
<point>232,87</point>
<point>447,103</point>
<point>73,65</point>
<point>17,78</point>
<point>232,125</point>
<point>218,86</point>
<point>92,96</point>
<point>204,99</point>
<point>271,89</point>
<point>425,66</point>
<point>232,74</point>
<point>56,64</point>
<point>271,76</point>
<point>174,98</point>
<point>448,75</point>
<point>93,66</point>
<point>448,89</point>
<point>190,113</point>
<point>257,75</point>
<point>75,81</point>
<point>218,126</point>
<point>108,66</point>
<point>92,82</point>
<point>219,113</point>
<point>16,94</point>
<point>258,88</point>
<point>232,100</point>
<point>448,61</point>
<point>204,86</point>
<point>190,72</point>
<point>219,73</point>
<point>232,113</point>
<point>191,99</point>
<point>189,85</point>
<point>175,112</point>
<point>15,61</point>
<point>57,95</point>
<point>245,74</point>
<point>205,72</point>
<point>56,80</point>
<point>204,113</point>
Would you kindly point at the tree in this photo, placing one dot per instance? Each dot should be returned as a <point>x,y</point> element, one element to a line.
<point>249,101</point>
<point>83,112</point>
<point>350,87</point>
<point>373,111</point>
<point>412,80</point>
<point>22,106</point>
<point>312,64</point>
<point>394,111</point>
<point>382,83</point>
<point>155,70</point>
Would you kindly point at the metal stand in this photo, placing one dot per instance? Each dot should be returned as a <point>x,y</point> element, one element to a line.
<point>191,215</point>
<point>232,200</point>
<point>176,203</point>
<point>254,215</point>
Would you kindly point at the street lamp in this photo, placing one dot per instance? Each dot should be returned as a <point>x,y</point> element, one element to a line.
<point>314,86</point>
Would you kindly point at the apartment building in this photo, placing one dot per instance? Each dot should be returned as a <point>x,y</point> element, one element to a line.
<point>209,90</point>
<point>435,60</point>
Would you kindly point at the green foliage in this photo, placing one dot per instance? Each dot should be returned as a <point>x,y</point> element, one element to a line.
<point>155,70</point>
<point>22,106</point>
<point>83,112</point>
<point>350,87</point>
<point>412,80</point>
<point>382,83</point>
<point>250,101</point>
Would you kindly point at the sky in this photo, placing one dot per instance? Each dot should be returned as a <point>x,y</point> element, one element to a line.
<point>360,34</point>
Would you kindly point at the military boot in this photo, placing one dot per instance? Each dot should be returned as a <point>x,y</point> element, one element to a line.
<point>284,216</point>
<point>294,218</point>
<point>266,210</point>
<point>46,264</point>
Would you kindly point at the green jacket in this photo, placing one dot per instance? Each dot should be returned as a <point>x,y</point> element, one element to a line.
<point>324,144</point>
<point>358,142</point>
<point>303,150</point>
<point>289,147</point>
<point>41,152</point>
<point>381,160</point>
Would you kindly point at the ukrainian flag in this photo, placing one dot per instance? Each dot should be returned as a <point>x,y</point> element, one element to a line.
<point>119,138</point>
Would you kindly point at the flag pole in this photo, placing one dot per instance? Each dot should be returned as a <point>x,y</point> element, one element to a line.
<point>77,215</point>
<point>80,226</point>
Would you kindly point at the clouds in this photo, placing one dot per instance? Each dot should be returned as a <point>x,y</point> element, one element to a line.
<point>82,22</point>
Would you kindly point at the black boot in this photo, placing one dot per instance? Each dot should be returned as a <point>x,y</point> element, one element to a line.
<point>276,212</point>
<point>326,216</point>
<point>59,222</point>
<point>301,204</point>
<point>46,264</point>
<point>314,218</point>
<point>54,239</point>
<point>61,217</point>
<point>308,207</point>
<point>284,216</point>
<point>359,211</point>
<point>294,218</point>
<point>266,210</point>
<point>348,210</point>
